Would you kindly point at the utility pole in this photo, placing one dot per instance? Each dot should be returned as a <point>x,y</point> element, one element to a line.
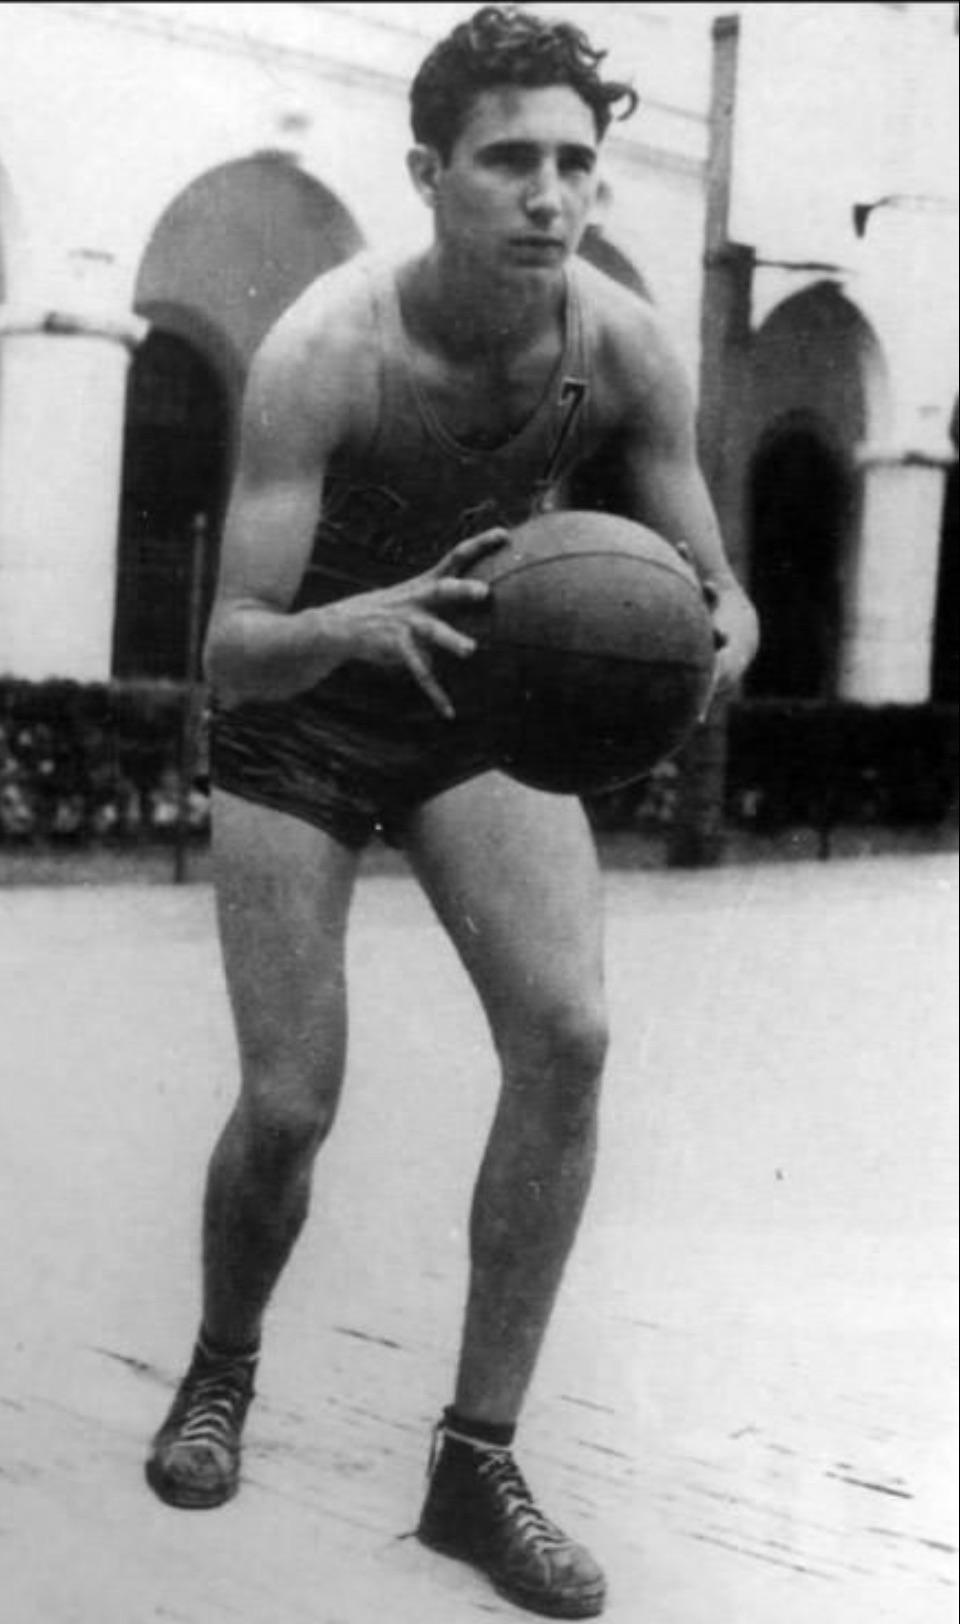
<point>696,836</point>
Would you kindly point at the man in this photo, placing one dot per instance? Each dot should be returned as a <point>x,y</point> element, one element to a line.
<point>397,418</point>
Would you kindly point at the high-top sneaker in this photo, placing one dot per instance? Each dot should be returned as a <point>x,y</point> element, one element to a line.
<point>194,1459</point>
<point>479,1508</point>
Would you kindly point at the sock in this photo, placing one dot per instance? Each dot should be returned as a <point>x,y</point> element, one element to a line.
<point>464,1429</point>
<point>219,1351</point>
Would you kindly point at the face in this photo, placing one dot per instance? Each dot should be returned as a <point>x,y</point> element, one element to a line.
<point>515,195</point>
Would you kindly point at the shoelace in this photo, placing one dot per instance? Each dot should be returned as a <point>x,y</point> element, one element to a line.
<point>500,1470</point>
<point>215,1405</point>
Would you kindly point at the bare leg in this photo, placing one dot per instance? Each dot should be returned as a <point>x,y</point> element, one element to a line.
<point>513,877</point>
<point>283,894</point>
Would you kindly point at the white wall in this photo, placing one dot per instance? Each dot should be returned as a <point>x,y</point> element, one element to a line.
<point>108,110</point>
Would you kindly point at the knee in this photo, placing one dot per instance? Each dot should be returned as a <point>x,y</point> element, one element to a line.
<point>580,1043</point>
<point>562,1055</point>
<point>285,1122</point>
<point>573,1041</point>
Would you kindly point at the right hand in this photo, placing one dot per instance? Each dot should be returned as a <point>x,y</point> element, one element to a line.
<point>402,626</point>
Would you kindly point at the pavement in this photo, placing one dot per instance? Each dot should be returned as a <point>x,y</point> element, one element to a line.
<point>747,1402</point>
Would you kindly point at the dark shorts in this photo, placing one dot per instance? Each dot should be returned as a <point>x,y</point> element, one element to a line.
<point>349,768</point>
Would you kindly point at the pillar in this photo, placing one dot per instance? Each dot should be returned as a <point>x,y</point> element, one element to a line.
<point>697,833</point>
<point>62,400</point>
<point>887,653</point>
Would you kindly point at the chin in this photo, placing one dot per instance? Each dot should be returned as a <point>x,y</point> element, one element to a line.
<point>535,271</point>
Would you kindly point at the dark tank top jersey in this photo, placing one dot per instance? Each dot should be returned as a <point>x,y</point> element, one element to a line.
<point>394,507</point>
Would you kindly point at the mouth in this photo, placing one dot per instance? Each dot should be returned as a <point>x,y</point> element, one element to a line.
<point>546,246</point>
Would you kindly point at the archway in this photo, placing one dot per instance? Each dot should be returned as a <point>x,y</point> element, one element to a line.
<point>800,505</point>
<point>225,260</point>
<point>237,247</point>
<point>819,392</point>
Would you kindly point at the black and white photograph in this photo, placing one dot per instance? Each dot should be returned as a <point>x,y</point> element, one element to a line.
<point>479,698</point>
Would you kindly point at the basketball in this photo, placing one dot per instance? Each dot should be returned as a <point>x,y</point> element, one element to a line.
<point>595,652</point>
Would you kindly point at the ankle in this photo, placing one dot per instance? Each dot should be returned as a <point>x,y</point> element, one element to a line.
<point>472,1432</point>
<point>213,1350</point>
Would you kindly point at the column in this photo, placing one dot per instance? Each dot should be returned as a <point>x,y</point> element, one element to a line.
<point>62,400</point>
<point>888,645</point>
<point>697,834</point>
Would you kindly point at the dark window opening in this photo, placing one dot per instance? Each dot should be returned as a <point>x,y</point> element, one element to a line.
<point>800,501</point>
<point>945,672</point>
<point>175,461</point>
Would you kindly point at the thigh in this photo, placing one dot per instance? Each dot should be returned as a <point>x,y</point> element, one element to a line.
<point>513,876</point>
<point>283,890</point>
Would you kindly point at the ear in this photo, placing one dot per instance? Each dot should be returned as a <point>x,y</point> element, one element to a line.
<point>424,165</point>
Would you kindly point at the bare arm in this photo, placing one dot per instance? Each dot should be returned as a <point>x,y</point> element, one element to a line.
<point>255,648</point>
<point>662,486</point>
<point>303,399</point>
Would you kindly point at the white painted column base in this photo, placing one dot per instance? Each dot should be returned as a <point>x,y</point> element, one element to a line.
<point>62,400</point>
<point>888,643</point>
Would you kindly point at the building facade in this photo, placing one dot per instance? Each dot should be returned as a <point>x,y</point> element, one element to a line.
<point>172,175</point>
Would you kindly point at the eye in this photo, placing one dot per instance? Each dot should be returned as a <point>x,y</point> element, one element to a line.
<point>578,161</point>
<point>509,155</point>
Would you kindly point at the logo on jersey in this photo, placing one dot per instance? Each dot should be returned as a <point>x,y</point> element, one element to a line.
<point>573,394</point>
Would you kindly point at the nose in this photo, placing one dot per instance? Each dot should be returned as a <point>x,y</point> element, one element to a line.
<point>544,200</point>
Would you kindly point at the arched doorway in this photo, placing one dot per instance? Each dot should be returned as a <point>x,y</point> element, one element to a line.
<point>819,392</point>
<point>174,476</point>
<point>226,258</point>
<point>800,504</point>
<point>238,245</point>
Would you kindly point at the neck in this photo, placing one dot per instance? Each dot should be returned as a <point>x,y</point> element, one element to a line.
<point>468,314</point>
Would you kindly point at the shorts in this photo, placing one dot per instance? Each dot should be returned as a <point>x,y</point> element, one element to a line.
<point>349,767</point>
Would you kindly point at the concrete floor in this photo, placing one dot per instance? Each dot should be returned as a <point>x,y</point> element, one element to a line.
<point>747,1402</point>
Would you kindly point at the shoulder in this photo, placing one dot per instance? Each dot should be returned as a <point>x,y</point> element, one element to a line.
<point>319,364</point>
<point>636,356</point>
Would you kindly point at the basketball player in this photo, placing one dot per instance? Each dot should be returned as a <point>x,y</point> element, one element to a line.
<point>398,418</point>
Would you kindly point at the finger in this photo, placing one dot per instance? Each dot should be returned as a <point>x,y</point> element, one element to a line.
<point>422,673</point>
<point>451,591</point>
<point>474,548</point>
<point>442,635</point>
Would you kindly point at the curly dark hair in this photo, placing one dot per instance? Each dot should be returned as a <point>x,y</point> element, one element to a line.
<point>507,45</point>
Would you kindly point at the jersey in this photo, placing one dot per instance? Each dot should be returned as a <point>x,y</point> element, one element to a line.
<point>365,745</point>
<point>395,506</point>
